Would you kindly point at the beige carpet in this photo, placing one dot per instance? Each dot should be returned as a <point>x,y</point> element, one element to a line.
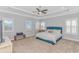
<point>32,45</point>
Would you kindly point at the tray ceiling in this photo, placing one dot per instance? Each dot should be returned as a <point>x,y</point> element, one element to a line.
<point>27,11</point>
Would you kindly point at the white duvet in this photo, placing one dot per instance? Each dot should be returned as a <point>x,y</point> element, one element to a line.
<point>49,36</point>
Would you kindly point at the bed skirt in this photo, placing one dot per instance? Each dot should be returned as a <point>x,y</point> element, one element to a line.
<point>51,42</point>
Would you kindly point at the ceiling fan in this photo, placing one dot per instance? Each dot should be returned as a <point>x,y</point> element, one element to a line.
<point>40,10</point>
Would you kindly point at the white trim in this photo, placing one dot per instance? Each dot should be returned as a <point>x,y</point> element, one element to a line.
<point>77,40</point>
<point>4,11</point>
<point>44,17</point>
<point>59,11</point>
<point>16,8</point>
<point>30,34</point>
<point>51,16</point>
<point>63,10</point>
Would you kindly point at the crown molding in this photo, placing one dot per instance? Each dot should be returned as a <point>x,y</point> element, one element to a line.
<point>58,15</point>
<point>19,9</point>
<point>27,12</point>
<point>36,17</point>
<point>10,12</point>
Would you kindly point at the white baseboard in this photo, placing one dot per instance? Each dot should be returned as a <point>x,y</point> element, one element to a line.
<point>30,35</point>
<point>71,39</point>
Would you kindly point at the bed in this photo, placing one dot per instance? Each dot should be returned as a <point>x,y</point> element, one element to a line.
<point>51,35</point>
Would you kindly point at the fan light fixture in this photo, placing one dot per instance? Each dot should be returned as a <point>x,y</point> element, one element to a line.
<point>40,11</point>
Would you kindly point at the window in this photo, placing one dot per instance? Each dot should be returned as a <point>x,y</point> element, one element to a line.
<point>68,26</point>
<point>71,26</point>
<point>8,25</point>
<point>40,25</point>
<point>43,25</point>
<point>74,26</point>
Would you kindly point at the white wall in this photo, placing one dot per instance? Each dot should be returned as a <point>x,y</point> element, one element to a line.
<point>60,21</point>
<point>19,24</point>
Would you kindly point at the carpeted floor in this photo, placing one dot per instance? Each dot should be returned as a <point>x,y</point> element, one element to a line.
<point>32,45</point>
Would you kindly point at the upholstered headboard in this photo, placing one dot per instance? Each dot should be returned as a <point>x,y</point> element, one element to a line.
<point>55,28</point>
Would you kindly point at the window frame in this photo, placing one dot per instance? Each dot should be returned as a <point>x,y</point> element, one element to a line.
<point>8,24</point>
<point>72,25</point>
<point>68,27</point>
<point>43,25</point>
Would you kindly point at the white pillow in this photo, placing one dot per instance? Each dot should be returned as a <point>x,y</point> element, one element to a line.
<point>57,31</point>
<point>50,31</point>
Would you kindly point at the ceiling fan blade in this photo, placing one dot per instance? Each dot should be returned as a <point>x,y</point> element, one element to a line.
<point>45,10</point>
<point>38,9</point>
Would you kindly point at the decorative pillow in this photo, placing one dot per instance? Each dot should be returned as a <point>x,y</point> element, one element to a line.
<point>50,31</point>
